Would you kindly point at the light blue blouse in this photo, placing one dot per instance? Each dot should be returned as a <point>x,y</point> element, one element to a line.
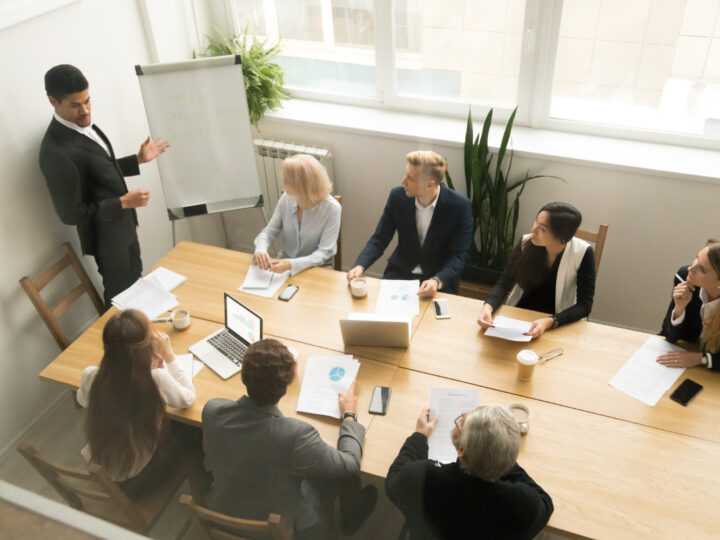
<point>313,242</point>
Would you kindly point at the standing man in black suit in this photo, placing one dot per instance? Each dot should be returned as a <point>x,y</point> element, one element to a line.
<point>434,226</point>
<point>87,184</point>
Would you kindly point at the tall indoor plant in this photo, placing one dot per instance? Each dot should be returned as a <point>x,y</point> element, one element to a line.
<point>495,199</point>
<point>263,77</point>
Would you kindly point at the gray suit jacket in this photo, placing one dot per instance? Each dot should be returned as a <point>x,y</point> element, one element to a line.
<point>259,459</point>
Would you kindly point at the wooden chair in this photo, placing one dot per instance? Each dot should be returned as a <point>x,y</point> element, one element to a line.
<point>337,262</point>
<point>93,491</point>
<point>598,239</point>
<point>51,315</point>
<point>215,525</point>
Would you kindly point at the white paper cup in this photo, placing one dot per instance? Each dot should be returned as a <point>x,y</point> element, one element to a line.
<point>180,319</point>
<point>521,413</point>
<point>527,360</point>
<point>358,287</point>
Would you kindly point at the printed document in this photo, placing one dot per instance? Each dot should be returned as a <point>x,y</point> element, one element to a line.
<point>325,377</point>
<point>510,329</point>
<point>167,278</point>
<point>398,298</point>
<point>447,404</point>
<point>642,377</point>
<point>189,364</point>
<point>146,295</point>
<point>263,282</point>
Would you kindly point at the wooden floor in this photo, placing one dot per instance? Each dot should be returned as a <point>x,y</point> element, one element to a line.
<point>59,436</point>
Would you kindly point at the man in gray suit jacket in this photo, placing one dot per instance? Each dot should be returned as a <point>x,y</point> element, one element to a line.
<point>263,462</point>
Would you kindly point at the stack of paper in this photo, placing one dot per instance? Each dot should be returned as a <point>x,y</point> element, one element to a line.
<point>510,329</point>
<point>326,377</point>
<point>262,282</point>
<point>398,298</point>
<point>446,404</point>
<point>146,295</point>
<point>642,377</point>
<point>167,278</point>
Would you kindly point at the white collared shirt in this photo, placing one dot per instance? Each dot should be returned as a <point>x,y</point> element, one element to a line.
<point>87,131</point>
<point>707,309</point>
<point>423,217</point>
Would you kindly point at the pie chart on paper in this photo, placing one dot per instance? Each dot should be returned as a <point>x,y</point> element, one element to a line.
<point>336,373</point>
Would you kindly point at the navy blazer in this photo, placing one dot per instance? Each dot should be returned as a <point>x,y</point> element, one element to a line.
<point>86,184</point>
<point>444,252</point>
<point>692,325</point>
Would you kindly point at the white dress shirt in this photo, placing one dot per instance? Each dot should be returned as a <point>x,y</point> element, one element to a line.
<point>311,243</point>
<point>707,309</point>
<point>87,131</point>
<point>423,217</point>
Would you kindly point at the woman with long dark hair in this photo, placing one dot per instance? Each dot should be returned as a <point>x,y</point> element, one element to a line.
<point>549,271</point>
<point>126,397</point>
<point>694,312</point>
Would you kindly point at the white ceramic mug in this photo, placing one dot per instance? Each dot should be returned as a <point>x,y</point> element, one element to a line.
<point>358,287</point>
<point>521,413</point>
<point>180,319</point>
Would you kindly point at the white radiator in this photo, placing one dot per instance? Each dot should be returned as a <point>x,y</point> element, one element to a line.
<point>269,156</point>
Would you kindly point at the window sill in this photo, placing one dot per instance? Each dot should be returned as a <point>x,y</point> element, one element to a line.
<point>680,162</point>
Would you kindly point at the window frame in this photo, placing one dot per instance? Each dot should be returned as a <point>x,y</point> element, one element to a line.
<point>541,32</point>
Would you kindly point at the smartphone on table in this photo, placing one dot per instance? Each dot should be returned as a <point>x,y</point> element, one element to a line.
<point>380,399</point>
<point>684,393</point>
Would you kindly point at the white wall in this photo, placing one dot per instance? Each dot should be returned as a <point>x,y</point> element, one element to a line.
<point>104,38</point>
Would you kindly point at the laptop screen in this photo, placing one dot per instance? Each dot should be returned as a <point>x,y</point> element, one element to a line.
<point>241,321</point>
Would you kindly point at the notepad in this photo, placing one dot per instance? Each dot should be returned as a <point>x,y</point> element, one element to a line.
<point>168,279</point>
<point>262,282</point>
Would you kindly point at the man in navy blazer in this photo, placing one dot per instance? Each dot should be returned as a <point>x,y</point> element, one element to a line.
<point>434,226</point>
<point>87,184</point>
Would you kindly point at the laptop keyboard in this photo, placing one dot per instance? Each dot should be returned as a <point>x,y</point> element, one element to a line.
<point>230,346</point>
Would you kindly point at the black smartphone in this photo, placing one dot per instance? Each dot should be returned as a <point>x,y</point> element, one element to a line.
<point>686,391</point>
<point>380,400</point>
<point>288,292</point>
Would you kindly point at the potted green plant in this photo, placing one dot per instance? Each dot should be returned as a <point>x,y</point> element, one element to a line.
<point>495,200</point>
<point>263,77</point>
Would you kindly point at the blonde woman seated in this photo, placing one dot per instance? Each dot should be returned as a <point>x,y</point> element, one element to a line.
<point>306,217</point>
<point>550,271</point>
<point>694,312</point>
<point>126,427</point>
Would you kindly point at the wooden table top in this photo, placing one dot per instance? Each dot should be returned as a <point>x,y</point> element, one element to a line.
<point>614,467</point>
<point>457,348</point>
<point>607,478</point>
<point>312,316</point>
<point>87,350</point>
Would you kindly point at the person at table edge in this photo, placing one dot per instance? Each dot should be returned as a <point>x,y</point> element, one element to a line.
<point>694,311</point>
<point>550,271</point>
<point>434,226</point>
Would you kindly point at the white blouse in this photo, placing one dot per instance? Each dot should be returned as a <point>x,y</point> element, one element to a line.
<point>313,242</point>
<point>176,388</point>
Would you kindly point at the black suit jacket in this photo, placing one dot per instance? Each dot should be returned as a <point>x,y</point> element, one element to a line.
<point>445,249</point>
<point>86,184</point>
<point>692,325</point>
<point>445,502</point>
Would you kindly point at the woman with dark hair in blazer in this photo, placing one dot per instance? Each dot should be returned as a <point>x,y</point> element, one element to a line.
<point>550,271</point>
<point>694,312</point>
<point>126,396</point>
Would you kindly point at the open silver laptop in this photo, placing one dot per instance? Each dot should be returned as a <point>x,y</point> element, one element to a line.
<point>373,330</point>
<point>223,351</point>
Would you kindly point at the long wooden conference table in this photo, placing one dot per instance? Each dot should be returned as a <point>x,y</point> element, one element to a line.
<point>614,467</point>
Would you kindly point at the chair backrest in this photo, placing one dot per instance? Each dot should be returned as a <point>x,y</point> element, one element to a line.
<point>91,491</point>
<point>216,525</point>
<point>337,262</point>
<point>598,239</point>
<point>51,315</point>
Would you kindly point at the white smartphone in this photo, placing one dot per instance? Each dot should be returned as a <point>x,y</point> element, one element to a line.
<point>442,308</point>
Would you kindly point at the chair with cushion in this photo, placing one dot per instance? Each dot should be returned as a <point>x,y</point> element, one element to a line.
<point>337,261</point>
<point>596,238</point>
<point>93,491</point>
<point>51,315</point>
<point>217,526</point>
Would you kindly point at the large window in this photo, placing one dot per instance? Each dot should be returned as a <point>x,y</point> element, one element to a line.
<point>640,68</point>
